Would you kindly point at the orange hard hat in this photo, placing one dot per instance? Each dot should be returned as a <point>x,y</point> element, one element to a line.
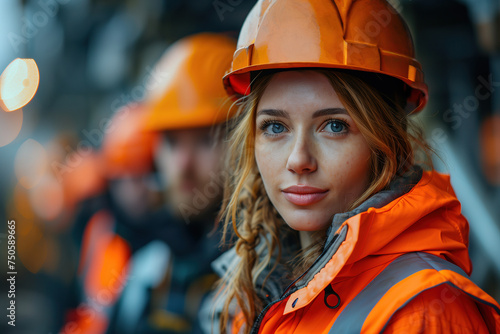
<point>84,180</point>
<point>185,88</point>
<point>127,149</point>
<point>360,35</point>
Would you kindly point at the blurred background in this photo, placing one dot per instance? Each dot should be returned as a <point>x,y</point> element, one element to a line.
<point>95,56</point>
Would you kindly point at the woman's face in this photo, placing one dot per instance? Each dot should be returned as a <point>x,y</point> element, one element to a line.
<point>313,160</point>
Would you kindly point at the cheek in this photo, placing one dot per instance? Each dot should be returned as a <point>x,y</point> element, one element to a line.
<point>209,160</point>
<point>268,162</point>
<point>358,172</point>
<point>163,160</point>
<point>348,169</point>
<point>361,160</point>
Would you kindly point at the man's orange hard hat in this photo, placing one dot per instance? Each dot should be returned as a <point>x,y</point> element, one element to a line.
<point>359,35</point>
<point>185,90</point>
<point>127,149</point>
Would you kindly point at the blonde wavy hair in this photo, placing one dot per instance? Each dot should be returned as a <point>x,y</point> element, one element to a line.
<point>249,217</point>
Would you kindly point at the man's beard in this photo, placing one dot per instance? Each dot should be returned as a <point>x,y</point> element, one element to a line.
<point>188,199</point>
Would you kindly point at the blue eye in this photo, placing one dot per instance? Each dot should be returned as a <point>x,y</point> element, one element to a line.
<point>275,128</point>
<point>336,126</point>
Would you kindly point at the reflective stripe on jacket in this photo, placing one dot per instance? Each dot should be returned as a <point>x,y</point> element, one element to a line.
<point>400,282</point>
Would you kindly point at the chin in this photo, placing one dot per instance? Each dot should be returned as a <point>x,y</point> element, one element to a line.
<point>309,224</point>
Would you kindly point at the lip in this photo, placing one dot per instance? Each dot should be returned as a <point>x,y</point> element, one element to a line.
<point>304,195</point>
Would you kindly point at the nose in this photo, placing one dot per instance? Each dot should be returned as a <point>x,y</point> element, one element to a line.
<point>301,159</point>
<point>185,156</point>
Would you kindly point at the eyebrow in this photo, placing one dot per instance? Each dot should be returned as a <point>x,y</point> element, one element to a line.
<point>273,112</point>
<point>318,113</point>
<point>329,111</point>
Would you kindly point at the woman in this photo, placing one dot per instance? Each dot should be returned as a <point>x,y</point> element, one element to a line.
<point>336,229</point>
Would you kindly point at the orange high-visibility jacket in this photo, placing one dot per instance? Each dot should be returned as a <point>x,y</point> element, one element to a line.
<point>103,267</point>
<point>399,263</point>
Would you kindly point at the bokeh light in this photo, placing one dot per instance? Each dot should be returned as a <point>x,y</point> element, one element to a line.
<point>32,249</point>
<point>490,149</point>
<point>10,125</point>
<point>30,163</point>
<point>22,202</point>
<point>18,84</point>
<point>47,198</point>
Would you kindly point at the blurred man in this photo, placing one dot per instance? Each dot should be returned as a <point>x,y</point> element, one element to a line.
<point>188,108</point>
<point>107,225</point>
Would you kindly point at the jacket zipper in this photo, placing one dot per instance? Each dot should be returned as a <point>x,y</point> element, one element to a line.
<point>256,325</point>
<point>285,295</point>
